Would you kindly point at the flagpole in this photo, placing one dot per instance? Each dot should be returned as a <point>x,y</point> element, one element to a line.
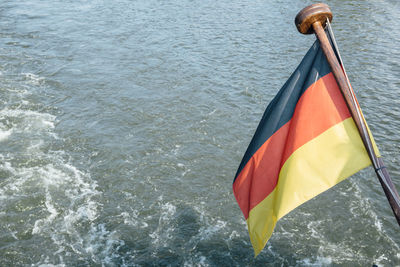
<point>313,19</point>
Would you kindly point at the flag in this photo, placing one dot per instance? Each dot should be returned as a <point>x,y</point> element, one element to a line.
<point>306,143</point>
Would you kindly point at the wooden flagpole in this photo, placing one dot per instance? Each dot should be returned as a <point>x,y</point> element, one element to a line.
<point>313,19</point>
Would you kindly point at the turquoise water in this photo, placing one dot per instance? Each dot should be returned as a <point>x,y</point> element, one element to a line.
<point>122,124</point>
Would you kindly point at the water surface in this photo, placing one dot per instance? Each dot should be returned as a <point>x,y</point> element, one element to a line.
<point>122,124</point>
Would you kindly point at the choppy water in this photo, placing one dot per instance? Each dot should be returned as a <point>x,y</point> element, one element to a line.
<point>122,124</point>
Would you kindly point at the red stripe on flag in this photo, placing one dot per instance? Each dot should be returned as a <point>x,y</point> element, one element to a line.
<point>259,176</point>
<point>320,107</point>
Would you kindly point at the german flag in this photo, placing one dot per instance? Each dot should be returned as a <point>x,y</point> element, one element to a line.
<point>305,143</point>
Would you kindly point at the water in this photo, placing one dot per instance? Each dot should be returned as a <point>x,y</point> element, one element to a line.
<point>122,124</point>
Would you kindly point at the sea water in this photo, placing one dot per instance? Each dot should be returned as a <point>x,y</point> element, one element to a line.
<point>122,125</point>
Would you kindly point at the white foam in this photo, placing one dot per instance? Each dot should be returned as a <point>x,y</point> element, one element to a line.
<point>185,172</point>
<point>233,235</point>
<point>318,261</point>
<point>39,224</point>
<point>66,195</point>
<point>68,192</point>
<point>162,234</point>
<point>311,226</point>
<point>197,261</point>
<point>212,229</point>
<point>33,78</point>
<point>379,260</point>
<point>212,112</point>
<point>131,219</point>
<point>5,134</point>
<point>52,265</point>
<point>29,121</point>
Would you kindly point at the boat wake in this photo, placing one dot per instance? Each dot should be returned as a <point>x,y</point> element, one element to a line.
<point>44,198</point>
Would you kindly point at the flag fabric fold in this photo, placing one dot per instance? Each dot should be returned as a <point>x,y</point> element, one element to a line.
<point>305,143</point>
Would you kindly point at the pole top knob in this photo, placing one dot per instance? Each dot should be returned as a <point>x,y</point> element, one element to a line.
<point>311,14</point>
